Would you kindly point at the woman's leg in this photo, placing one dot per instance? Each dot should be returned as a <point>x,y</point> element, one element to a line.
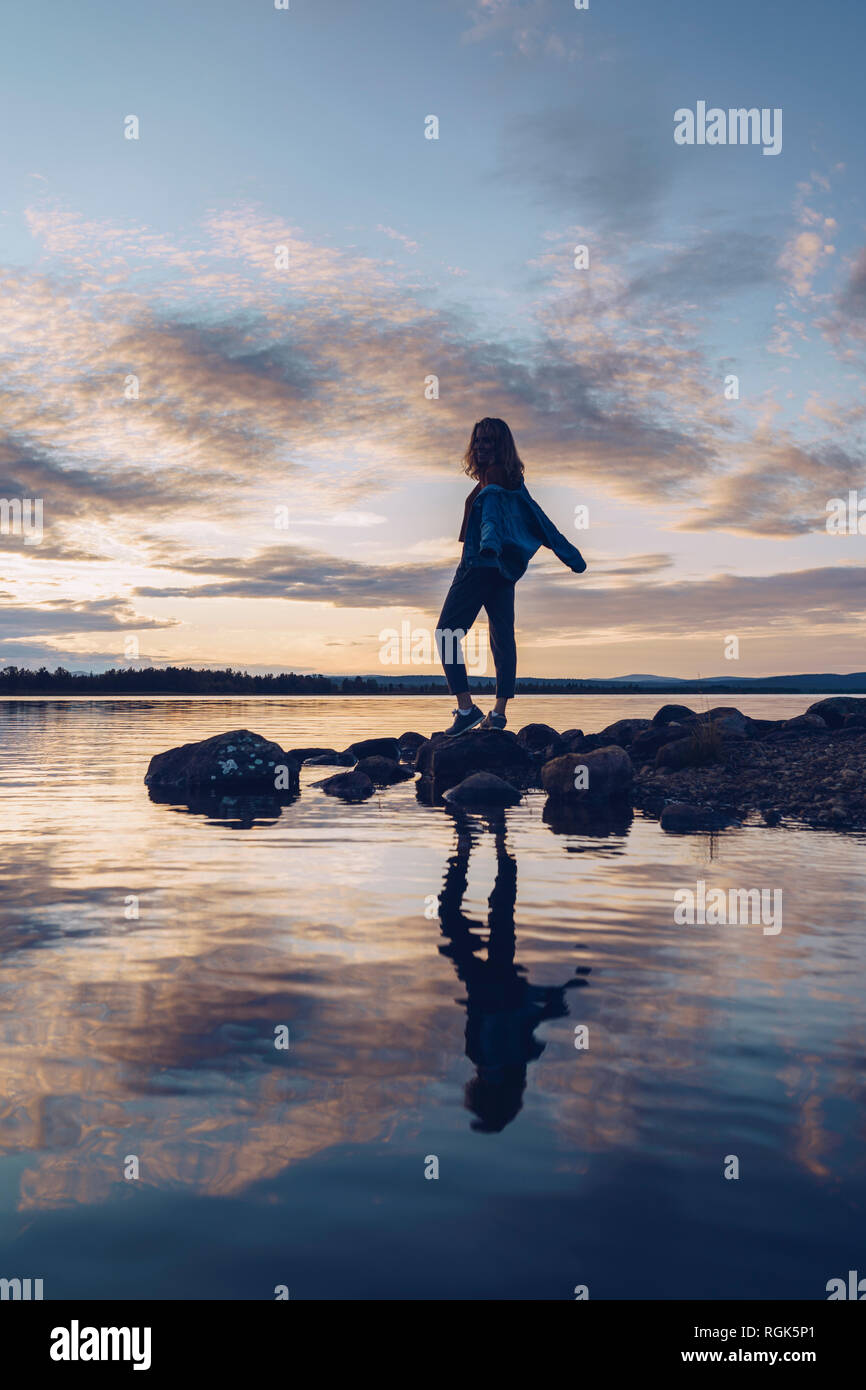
<point>499,603</point>
<point>459,611</point>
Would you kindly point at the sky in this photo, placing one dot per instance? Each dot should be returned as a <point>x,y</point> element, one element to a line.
<point>232,262</point>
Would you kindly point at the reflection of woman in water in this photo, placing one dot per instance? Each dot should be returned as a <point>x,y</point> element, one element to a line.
<point>502,1008</point>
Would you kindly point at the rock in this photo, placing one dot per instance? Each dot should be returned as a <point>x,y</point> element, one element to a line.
<point>805,722</point>
<point>384,772</point>
<point>771,816</point>
<point>647,744</point>
<point>542,742</point>
<point>608,775</point>
<point>226,763</point>
<point>303,755</point>
<point>696,750</point>
<point>445,760</point>
<point>351,786</point>
<point>682,752</point>
<point>331,759</point>
<point>409,743</point>
<point>680,817</point>
<point>572,740</point>
<point>673,714</point>
<point>482,789</point>
<point>855,721</point>
<point>624,731</point>
<point>375,748</point>
<point>834,709</point>
<point>537,735</point>
<point>726,718</point>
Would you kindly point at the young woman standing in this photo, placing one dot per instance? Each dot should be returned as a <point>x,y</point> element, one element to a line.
<point>502,529</point>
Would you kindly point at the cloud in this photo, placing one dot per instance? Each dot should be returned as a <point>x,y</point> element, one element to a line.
<point>808,602</point>
<point>65,617</point>
<point>310,576</point>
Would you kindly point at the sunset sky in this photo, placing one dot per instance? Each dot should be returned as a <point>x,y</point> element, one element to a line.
<point>267,390</point>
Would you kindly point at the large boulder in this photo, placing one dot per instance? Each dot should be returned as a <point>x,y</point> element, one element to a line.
<point>673,714</point>
<point>383,772</point>
<point>238,761</point>
<point>482,789</point>
<point>375,748</point>
<point>445,760</point>
<point>349,786</point>
<point>608,775</point>
<point>834,709</point>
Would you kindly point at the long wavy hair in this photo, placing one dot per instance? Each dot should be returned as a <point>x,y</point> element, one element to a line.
<point>506,460</point>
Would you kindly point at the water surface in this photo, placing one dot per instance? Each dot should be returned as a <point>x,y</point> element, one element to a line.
<point>431,971</point>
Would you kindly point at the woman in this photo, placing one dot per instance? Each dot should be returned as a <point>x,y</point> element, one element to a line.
<point>502,529</point>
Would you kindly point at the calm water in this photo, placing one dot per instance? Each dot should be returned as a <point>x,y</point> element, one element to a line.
<point>364,929</point>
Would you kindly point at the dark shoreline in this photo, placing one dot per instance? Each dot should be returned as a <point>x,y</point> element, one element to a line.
<point>213,684</point>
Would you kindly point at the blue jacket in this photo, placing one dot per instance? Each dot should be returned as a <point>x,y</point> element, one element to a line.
<point>505,528</point>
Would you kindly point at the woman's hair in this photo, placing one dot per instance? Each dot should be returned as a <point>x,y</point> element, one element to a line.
<point>506,461</point>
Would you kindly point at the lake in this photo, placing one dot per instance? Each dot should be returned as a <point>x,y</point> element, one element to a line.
<point>483,996</point>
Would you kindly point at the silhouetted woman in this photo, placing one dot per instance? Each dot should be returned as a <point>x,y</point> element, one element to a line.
<point>502,529</point>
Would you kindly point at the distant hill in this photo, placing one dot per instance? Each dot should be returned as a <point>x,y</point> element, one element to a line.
<point>186,680</point>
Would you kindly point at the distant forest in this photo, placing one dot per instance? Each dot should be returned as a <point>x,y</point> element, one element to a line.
<point>187,680</point>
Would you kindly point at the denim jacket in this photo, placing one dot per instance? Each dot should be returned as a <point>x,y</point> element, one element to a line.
<point>505,528</point>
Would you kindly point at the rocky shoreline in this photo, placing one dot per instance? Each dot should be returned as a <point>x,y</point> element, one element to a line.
<point>692,770</point>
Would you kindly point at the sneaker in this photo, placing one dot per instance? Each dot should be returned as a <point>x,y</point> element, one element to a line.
<point>494,721</point>
<point>465,719</point>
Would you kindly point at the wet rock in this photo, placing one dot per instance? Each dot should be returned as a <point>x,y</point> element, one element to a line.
<point>375,748</point>
<point>482,789</point>
<point>771,816</point>
<point>384,772</point>
<point>409,743</point>
<point>608,775</point>
<point>445,760</point>
<point>304,755</point>
<point>331,759</point>
<point>673,714</point>
<point>349,786</point>
<point>834,709</point>
<point>236,761</point>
